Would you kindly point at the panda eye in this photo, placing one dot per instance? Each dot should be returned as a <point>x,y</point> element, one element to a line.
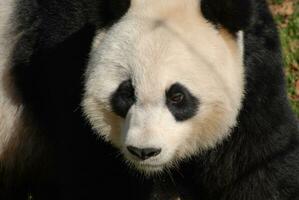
<point>127,94</point>
<point>123,98</point>
<point>176,98</point>
<point>181,102</point>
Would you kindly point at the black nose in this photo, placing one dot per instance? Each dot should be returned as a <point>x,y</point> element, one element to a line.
<point>144,154</point>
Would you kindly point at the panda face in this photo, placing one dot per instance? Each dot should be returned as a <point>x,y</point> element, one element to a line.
<point>164,84</point>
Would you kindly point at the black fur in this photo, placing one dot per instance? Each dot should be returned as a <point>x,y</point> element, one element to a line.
<point>61,159</point>
<point>186,108</point>
<point>233,14</point>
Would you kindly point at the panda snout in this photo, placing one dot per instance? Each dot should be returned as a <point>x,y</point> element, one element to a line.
<point>144,153</point>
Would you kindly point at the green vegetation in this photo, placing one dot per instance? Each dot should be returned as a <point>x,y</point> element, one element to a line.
<point>286,13</point>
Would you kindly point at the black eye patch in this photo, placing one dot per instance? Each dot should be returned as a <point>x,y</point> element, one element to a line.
<point>123,98</point>
<point>181,103</point>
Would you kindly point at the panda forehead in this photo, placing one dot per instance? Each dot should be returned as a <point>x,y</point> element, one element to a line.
<point>155,50</point>
<point>146,29</point>
<point>164,8</point>
<point>156,13</point>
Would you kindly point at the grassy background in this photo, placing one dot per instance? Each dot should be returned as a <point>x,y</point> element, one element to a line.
<point>286,13</point>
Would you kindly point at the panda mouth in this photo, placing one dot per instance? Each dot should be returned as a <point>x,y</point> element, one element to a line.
<point>151,168</point>
<point>147,167</point>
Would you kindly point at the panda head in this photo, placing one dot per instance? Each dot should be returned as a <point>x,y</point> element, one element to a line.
<point>164,83</point>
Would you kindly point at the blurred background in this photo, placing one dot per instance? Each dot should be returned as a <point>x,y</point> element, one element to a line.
<point>286,14</point>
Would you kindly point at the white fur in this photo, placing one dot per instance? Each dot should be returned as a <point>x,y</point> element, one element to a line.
<point>156,44</point>
<point>9,108</point>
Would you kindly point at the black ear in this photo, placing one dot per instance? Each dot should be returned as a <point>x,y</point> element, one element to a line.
<point>114,10</point>
<point>234,15</point>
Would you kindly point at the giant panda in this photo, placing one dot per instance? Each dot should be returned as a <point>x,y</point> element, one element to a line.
<point>47,150</point>
<point>192,95</point>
